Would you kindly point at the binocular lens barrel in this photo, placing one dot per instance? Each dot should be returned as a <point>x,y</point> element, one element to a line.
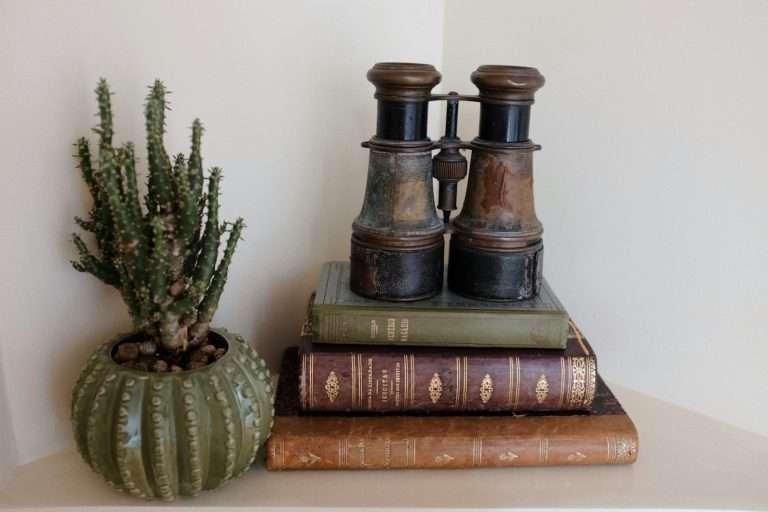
<point>504,123</point>
<point>402,121</point>
<point>496,250</point>
<point>397,240</point>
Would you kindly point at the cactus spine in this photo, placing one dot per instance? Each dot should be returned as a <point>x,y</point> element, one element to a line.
<point>159,256</point>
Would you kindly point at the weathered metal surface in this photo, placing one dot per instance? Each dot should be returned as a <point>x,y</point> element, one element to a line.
<point>496,252</point>
<point>403,80</point>
<point>398,199</point>
<point>397,241</point>
<point>499,201</point>
<point>507,84</point>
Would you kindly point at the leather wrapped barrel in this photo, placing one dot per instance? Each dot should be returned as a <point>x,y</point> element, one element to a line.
<point>496,250</point>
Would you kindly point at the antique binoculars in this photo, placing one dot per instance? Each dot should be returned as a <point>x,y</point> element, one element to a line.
<point>496,247</point>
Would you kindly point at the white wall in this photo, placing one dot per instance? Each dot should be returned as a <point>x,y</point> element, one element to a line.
<point>652,182</point>
<point>281,89</point>
<point>8,452</point>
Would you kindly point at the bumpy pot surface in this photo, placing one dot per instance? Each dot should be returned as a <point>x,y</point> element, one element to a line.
<point>162,435</point>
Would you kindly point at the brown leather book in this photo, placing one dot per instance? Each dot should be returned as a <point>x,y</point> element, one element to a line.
<point>388,379</point>
<point>602,435</point>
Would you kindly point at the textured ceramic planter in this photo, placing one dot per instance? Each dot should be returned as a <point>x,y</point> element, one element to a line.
<point>162,435</point>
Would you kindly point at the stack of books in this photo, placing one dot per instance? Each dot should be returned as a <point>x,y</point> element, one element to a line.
<point>448,382</point>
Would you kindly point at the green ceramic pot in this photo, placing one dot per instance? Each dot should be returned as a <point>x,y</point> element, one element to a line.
<point>162,435</point>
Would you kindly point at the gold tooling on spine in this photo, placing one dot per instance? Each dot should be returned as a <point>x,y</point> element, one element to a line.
<point>591,382</point>
<point>412,379</point>
<point>542,389</point>
<point>486,388</point>
<point>578,382</point>
<point>435,388</point>
<point>510,387</point>
<point>311,380</point>
<point>544,451</point>
<point>360,380</point>
<point>568,380</point>
<point>465,393</point>
<point>353,380</point>
<point>304,382</point>
<point>332,386</point>
<point>406,377</point>
<point>477,451</point>
<point>517,383</point>
<point>562,384</point>
<point>458,376</point>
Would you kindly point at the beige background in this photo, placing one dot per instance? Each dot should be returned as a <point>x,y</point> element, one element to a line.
<point>8,451</point>
<point>651,184</point>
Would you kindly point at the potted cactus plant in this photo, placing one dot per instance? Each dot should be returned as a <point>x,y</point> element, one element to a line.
<point>176,406</point>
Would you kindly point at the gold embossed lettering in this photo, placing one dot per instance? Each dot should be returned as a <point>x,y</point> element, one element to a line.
<point>374,329</point>
<point>369,365</point>
<point>391,329</point>
<point>397,384</point>
<point>384,385</point>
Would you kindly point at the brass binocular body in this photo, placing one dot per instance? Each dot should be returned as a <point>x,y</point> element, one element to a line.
<point>398,239</point>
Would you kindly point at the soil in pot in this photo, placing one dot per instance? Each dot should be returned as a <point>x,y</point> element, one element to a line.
<point>139,353</point>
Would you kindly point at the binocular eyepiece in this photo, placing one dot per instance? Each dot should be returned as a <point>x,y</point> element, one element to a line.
<point>398,240</point>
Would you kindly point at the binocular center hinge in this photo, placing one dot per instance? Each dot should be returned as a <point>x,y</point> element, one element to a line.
<point>449,166</point>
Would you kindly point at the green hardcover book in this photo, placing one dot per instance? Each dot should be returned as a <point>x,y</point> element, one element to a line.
<point>337,315</point>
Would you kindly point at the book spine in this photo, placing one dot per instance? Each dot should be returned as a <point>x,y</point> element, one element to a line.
<point>358,451</point>
<point>441,328</point>
<point>441,382</point>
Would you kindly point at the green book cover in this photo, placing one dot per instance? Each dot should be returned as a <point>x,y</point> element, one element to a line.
<point>337,315</point>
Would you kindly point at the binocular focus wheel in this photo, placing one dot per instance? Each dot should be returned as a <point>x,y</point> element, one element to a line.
<point>504,276</point>
<point>409,275</point>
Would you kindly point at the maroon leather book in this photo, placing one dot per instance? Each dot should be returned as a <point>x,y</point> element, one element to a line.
<point>389,379</point>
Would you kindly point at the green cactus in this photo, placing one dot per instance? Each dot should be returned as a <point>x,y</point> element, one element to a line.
<point>159,256</point>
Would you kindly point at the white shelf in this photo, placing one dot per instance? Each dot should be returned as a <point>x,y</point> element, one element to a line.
<point>687,461</point>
